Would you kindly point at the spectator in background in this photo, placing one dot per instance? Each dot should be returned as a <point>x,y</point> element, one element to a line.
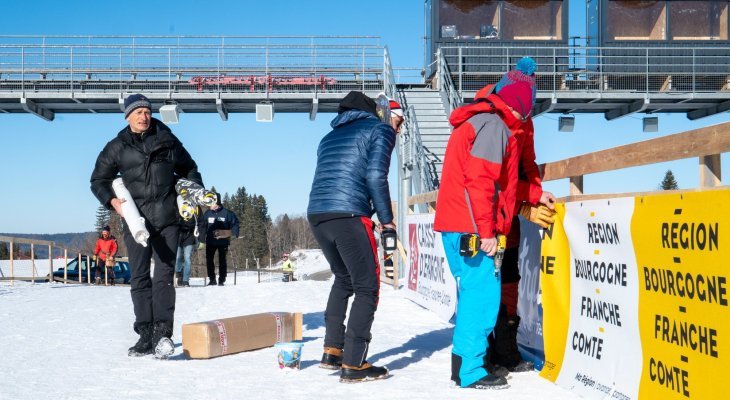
<point>218,225</point>
<point>287,268</point>
<point>105,250</point>
<point>187,241</point>
<point>396,116</point>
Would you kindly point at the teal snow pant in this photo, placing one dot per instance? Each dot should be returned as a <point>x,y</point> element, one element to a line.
<point>478,293</point>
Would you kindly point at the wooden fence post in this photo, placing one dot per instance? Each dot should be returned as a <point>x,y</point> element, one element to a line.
<point>576,185</point>
<point>50,263</point>
<point>710,170</point>
<point>32,262</point>
<point>12,275</point>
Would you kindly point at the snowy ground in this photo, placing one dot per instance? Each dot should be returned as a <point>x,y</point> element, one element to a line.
<point>70,342</point>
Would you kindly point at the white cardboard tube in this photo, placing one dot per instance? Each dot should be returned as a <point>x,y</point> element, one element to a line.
<point>131,214</point>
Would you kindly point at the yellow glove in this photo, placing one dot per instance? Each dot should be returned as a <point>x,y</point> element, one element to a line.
<point>539,214</point>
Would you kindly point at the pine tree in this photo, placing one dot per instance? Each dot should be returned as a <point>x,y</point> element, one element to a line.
<point>102,218</point>
<point>669,183</point>
<point>4,251</point>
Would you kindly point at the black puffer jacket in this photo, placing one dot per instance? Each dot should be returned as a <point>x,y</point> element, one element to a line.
<point>149,164</point>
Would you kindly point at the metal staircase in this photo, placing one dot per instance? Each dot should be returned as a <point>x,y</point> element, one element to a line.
<point>431,117</point>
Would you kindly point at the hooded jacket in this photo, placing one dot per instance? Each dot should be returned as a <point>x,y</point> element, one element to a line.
<point>352,168</point>
<point>489,169</point>
<point>149,164</point>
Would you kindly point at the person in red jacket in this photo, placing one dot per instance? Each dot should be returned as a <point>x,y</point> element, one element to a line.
<point>106,249</point>
<point>489,171</point>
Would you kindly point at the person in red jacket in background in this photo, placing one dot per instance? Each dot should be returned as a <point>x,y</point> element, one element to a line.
<point>104,252</point>
<point>489,171</point>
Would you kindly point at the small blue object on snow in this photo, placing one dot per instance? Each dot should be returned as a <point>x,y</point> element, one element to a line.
<point>290,355</point>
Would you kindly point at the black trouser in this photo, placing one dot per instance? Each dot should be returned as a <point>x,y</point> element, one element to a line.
<point>222,265</point>
<point>349,246</point>
<point>153,297</point>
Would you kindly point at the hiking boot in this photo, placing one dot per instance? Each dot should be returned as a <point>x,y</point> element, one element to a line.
<point>363,373</point>
<point>179,282</point>
<point>144,345</point>
<point>186,284</point>
<point>221,283</point>
<point>161,340</point>
<point>211,283</point>
<point>331,358</point>
<point>490,382</point>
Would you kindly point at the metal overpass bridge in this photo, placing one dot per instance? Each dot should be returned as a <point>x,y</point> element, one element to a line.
<point>45,75</point>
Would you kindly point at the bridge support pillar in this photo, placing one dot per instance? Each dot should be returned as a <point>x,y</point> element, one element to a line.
<point>33,108</point>
<point>313,110</point>
<point>222,110</point>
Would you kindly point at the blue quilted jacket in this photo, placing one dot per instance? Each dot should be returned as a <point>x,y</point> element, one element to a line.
<point>352,167</point>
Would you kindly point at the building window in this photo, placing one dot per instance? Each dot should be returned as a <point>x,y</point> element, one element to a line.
<point>532,20</point>
<point>698,20</point>
<point>469,19</point>
<point>636,20</point>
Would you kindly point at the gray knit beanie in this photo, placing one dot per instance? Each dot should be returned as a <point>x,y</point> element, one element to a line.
<point>134,102</point>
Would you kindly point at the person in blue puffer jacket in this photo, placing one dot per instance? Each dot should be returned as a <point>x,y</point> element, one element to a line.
<point>350,185</point>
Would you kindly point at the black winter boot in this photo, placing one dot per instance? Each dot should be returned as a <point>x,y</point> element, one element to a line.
<point>506,352</point>
<point>163,346</point>
<point>144,345</point>
<point>363,373</point>
<point>489,365</point>
<point>490,382</point>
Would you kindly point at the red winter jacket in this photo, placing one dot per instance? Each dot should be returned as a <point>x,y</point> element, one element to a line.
<point>489,169</point>
<point>105,247</point>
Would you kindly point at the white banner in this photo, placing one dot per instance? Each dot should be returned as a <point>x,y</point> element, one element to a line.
<point>430,283</point>
<point>602,356</point>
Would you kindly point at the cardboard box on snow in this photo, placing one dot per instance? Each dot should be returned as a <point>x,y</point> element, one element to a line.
<point>232,335</point>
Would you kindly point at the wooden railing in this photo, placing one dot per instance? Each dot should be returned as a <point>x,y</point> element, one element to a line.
<point>35,273</point>
<point>707,144</point>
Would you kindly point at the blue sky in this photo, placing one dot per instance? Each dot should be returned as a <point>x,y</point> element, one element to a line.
<point>45,166</point>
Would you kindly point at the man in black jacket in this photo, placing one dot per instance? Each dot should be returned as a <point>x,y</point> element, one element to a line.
<point>150,159</point>
<point>218,225</point>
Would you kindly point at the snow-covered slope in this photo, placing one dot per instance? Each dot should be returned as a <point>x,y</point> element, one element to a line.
<point>70,342</point>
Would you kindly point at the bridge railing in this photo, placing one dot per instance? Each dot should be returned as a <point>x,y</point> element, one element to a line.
<point>596,69</point>
<point>190,64</point>
<point>706,144</point>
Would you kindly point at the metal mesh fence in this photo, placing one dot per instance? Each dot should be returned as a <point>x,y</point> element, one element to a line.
<point>602,69</point>
<point>195,65</point>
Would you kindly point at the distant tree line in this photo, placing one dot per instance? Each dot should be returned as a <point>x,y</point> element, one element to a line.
<point>260,238</point>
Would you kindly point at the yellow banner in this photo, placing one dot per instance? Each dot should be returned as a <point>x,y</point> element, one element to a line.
<point>683,260</point>
<point>555,288</point>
